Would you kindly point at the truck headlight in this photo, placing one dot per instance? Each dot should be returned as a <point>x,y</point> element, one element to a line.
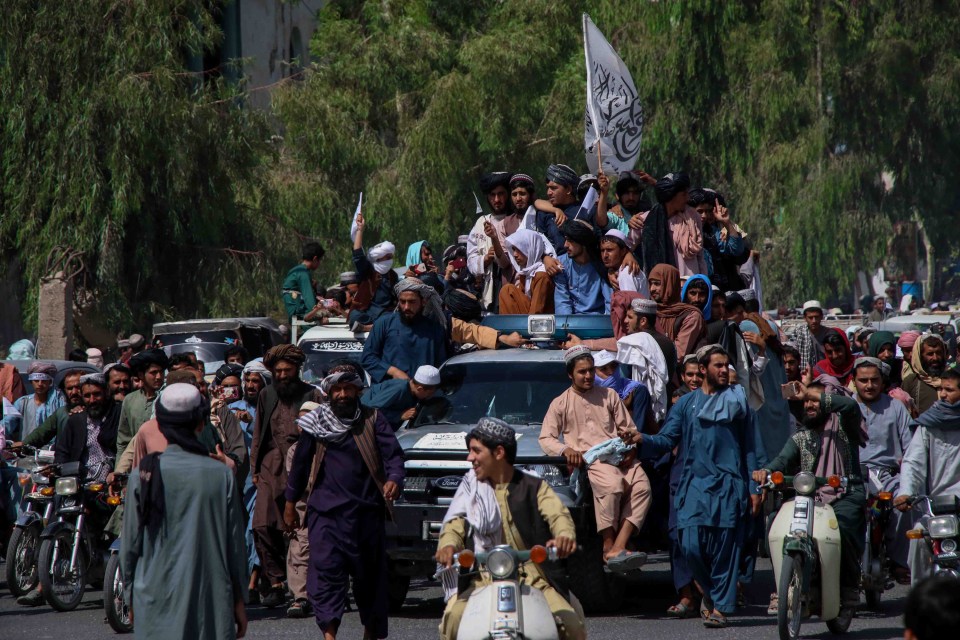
<point>541,327</point>
<point>942,527</point>
<point>804,483</point>
<point>500,563</point>
<point>66,486</point>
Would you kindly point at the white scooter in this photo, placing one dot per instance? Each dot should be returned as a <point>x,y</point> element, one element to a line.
<point>506,608</point>
<point>805,551</point>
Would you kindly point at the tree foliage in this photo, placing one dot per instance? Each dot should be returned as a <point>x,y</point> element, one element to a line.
<point>186,203</point>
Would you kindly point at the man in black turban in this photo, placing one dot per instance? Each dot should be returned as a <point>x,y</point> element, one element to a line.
<point>486,256</point>
<point>723,241</point>
<point>658,246</point>
<point>562,182</point>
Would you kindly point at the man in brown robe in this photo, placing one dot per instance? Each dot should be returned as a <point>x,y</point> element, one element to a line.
<point>275,430</point>
<point>683,323</point>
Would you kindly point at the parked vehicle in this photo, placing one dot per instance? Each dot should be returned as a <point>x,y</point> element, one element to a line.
<point>506,608</point>
<point>209,339</point>
<point>805,552</point>
<point>115,604</point>
<point>73,546</point>
<point>939,531</point>
<point>517,386</point>
<point>324,344</point>
<point>21,565</point>
<point>62,367</point>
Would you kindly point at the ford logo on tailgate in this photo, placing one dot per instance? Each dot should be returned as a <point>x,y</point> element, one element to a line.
<point>448,483</point>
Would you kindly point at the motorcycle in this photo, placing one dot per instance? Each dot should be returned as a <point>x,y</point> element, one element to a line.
<point>939,531</point>
<point>21,567</point>
<point>72,549</point>
<point>874,562</point>
<point>115,604</point>
<point>804,543</point>
<point>506,608</point>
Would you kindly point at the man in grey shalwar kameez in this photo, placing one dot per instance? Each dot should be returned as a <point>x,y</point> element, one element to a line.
<point>183,554</point>
<point>931,465</point>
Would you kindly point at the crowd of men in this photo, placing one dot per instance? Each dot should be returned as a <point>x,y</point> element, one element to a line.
<point>687,406</point>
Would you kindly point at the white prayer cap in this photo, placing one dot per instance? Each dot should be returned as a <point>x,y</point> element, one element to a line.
<point>576,352</point>
<point>603,358</point>
<point>427,375</point>
<point>813,305</point>
<point>643,306</point>
<point>95,357</point>
<point>748,294</point>
<point>619,235</point>
<point>309,406</point>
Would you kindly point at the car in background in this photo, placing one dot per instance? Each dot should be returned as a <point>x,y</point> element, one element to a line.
<point>210,339</point>
<point>62,367</point>
<point>517,386</point>
<point>324,344</point>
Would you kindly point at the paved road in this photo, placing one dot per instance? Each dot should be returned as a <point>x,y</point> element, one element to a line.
<point>641,617</point>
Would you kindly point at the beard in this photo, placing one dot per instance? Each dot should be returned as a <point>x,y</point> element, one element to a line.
<point>935,370</point>
<point>345,409</point>
<point>96,411</point>
<point>814,422</point>
<point>288,390</point>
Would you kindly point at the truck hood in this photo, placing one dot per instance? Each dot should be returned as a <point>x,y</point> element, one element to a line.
<point>449,441</point>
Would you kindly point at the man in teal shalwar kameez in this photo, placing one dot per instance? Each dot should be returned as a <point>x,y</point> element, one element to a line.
<point>183,555</point>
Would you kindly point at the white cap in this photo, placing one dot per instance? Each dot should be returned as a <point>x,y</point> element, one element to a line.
<point>603,358</point>
<point>427,375</point>
<point>812,304</point>
<point>643,306</point>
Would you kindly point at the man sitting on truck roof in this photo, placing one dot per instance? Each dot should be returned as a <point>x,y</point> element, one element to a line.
<point>588,415</point>
<point>475,519</point>
<point>298,295</point>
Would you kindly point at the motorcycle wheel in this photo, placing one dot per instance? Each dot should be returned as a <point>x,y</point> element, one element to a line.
<point>117,609</point>
<point>22,560</point>
<point>790,611</point>
<point>62,588</point>
<point>872,595</point>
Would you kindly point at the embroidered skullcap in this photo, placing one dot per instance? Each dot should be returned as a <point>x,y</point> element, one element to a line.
<point>690,357</point>
<point>289,352</point>
<point>577,351</point>
<point>521,180</point>
<point>586,180</point>
<point>180,404</point>
<point>747,294</point>
<point>493,430</point>
<point>644,307</point>
<point>812,305</point>
<point>137,340</point>
<point>619,237</point>
<point>708,350</point>
<point>870,361</point>
<point>95,357</point>
<point>562,175</point>
<point>349,277</point>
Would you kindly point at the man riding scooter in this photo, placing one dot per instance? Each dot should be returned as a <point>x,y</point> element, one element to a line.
<point>501,505</point>
<point>826,444</point>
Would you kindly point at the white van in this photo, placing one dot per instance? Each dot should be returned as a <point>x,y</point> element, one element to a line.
<point>324,344</point>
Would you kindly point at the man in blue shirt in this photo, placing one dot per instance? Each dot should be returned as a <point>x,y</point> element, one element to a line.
<point>582,285</point>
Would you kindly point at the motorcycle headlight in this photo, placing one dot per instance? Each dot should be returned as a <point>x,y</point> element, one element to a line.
<point>551,474</point>
<point>66,486</point>
<point>942,527</point>
<point>804,483</point>
<point>500,563</point>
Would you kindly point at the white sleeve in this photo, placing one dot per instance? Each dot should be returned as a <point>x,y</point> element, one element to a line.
<point>548,248</point>
<point>913,470</point>
<point>636,283</point>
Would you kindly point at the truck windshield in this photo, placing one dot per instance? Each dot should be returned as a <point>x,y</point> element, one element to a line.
<point>516,392</point>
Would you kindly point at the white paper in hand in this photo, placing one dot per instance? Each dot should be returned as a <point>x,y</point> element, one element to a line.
<point>353,225</point>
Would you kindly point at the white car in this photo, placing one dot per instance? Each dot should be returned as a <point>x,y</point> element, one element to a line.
<point>327,343</point>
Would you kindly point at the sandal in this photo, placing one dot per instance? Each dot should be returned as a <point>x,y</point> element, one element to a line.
<point>625,562</point>
<point>681,611</point>
<point>715,621</point>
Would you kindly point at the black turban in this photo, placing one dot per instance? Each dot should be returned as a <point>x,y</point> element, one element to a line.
<point>226,370</point>
<point>700,196</point>
<point>580,232</point>
<point>670,185</point>
<point>291,353</point>
<point>626,180</point>
<point>562,175</point>
<point>491,181</point>
<point>463,305</point>
<point>140,362</point>
<point>734,300</point>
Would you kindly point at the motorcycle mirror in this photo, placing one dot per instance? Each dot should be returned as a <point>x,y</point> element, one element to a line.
<point>776,477</point>
<point>915,534</point>
<point>466,558</point>
<point>538,554</point>
<point>834,481</point>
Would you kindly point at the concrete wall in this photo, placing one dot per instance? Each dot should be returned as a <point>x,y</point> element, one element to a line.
<point>272,34</point>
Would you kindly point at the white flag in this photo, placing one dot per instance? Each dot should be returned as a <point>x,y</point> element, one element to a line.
<point>353,225</point>
<point>477,200</point>
<point>588,202</point>
<point>614,117</point>
<point>9,410</point>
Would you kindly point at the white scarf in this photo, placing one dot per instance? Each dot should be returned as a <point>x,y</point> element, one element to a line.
<point>643,354</point>
<point>530,244</point>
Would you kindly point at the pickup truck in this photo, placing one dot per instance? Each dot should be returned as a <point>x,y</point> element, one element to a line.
<point>517,386</point>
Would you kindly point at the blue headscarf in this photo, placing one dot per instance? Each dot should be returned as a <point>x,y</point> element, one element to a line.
<point>706,308</point>
<point>413,253</point>
<point>941,415</point>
